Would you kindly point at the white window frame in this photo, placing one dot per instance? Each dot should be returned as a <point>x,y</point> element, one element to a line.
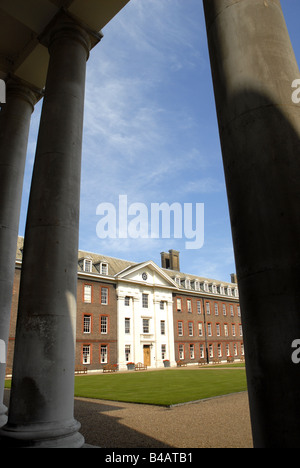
<point>86,354</point>
<point>103,354</point>
<point>145,301</point>
<point>87,294</point>
<point>103,324</point>
<point>127,301</point>
<point>87,265</point>
<point>104,268</point>
<point>87,324</point>
<point>146,326</point>
<point>127,353</point>
<point>127,325</point>
<point>104,296</point>
<point>163,351</point>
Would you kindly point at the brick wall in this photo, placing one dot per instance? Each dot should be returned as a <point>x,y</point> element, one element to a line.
<point>96,324</point>
<point>217,332</point>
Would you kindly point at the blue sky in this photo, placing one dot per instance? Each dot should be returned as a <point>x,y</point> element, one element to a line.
<point>150,131</point>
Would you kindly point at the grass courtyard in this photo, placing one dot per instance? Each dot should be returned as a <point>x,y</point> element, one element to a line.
<point>164,387</point>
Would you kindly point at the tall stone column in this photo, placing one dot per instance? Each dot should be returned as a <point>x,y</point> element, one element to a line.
<point>253,67</point>
<point>41,412</point>
<point>15,119</point>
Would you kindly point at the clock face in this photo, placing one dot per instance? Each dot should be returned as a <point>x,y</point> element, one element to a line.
<point>144,276</point>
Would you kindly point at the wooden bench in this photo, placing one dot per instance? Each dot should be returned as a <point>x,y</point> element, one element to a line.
<point>181,364</point>
<point>110,368</point>
<point>202,362</point>
<point>140,366</point>
<point>230,359</point>
<point>216,360</point>
<point>80,370</point>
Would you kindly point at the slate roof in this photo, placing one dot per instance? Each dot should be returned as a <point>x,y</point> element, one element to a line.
<point>116,265</point>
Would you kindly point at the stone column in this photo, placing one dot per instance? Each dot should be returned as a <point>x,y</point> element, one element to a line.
<point>15,119</point>
<point>41,412</point>
<point>253,67</point>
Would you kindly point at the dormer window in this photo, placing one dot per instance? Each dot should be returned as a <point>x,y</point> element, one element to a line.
<point>197,286</point>
<point>104,268</point>
<point>177,280</point>
<point>87,265</point>
<point>187,283</point>
<point>205,286</point>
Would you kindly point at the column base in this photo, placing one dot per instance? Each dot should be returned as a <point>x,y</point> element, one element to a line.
<point>41,436</point>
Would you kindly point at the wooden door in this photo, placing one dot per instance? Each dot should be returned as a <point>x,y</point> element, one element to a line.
<point>147,357</point>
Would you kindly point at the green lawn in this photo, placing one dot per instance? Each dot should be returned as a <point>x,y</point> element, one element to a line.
<point>165,387</point>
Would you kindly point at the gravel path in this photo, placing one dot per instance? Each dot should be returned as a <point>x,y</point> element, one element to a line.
<point>222,422</point>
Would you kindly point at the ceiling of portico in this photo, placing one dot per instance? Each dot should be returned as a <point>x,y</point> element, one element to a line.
<point>22,22</point>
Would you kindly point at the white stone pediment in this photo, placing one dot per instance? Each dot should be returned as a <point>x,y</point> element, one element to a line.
<point>147,273</point>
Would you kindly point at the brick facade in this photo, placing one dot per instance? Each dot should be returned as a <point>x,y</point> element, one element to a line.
<point>206,327</point>
<point>206,314</point>
<point>96,323</point>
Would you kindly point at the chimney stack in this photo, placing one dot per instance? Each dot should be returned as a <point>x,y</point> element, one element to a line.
<point>170,260</point>
<point>233,278</point>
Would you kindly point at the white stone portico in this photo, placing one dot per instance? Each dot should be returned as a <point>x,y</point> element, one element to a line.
<point>145,316</point>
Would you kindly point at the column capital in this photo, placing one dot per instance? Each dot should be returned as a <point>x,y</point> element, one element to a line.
<point>66,27</point>
<point>17,87</point>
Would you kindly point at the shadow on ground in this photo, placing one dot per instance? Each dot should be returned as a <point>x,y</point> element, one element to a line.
<point>103,425</point>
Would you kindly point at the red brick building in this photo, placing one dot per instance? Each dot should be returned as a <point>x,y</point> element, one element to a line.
<point>206,314</point>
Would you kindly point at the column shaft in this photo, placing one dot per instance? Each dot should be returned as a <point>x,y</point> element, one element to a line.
<point>42,396</point>
<point>253,67</point>
<point>15,119</point>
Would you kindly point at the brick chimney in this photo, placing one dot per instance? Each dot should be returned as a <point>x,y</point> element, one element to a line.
<point>170,260</point>
<point>233,278</point>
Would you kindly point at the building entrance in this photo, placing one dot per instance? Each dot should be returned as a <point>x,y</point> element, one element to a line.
<point>147,356</point>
